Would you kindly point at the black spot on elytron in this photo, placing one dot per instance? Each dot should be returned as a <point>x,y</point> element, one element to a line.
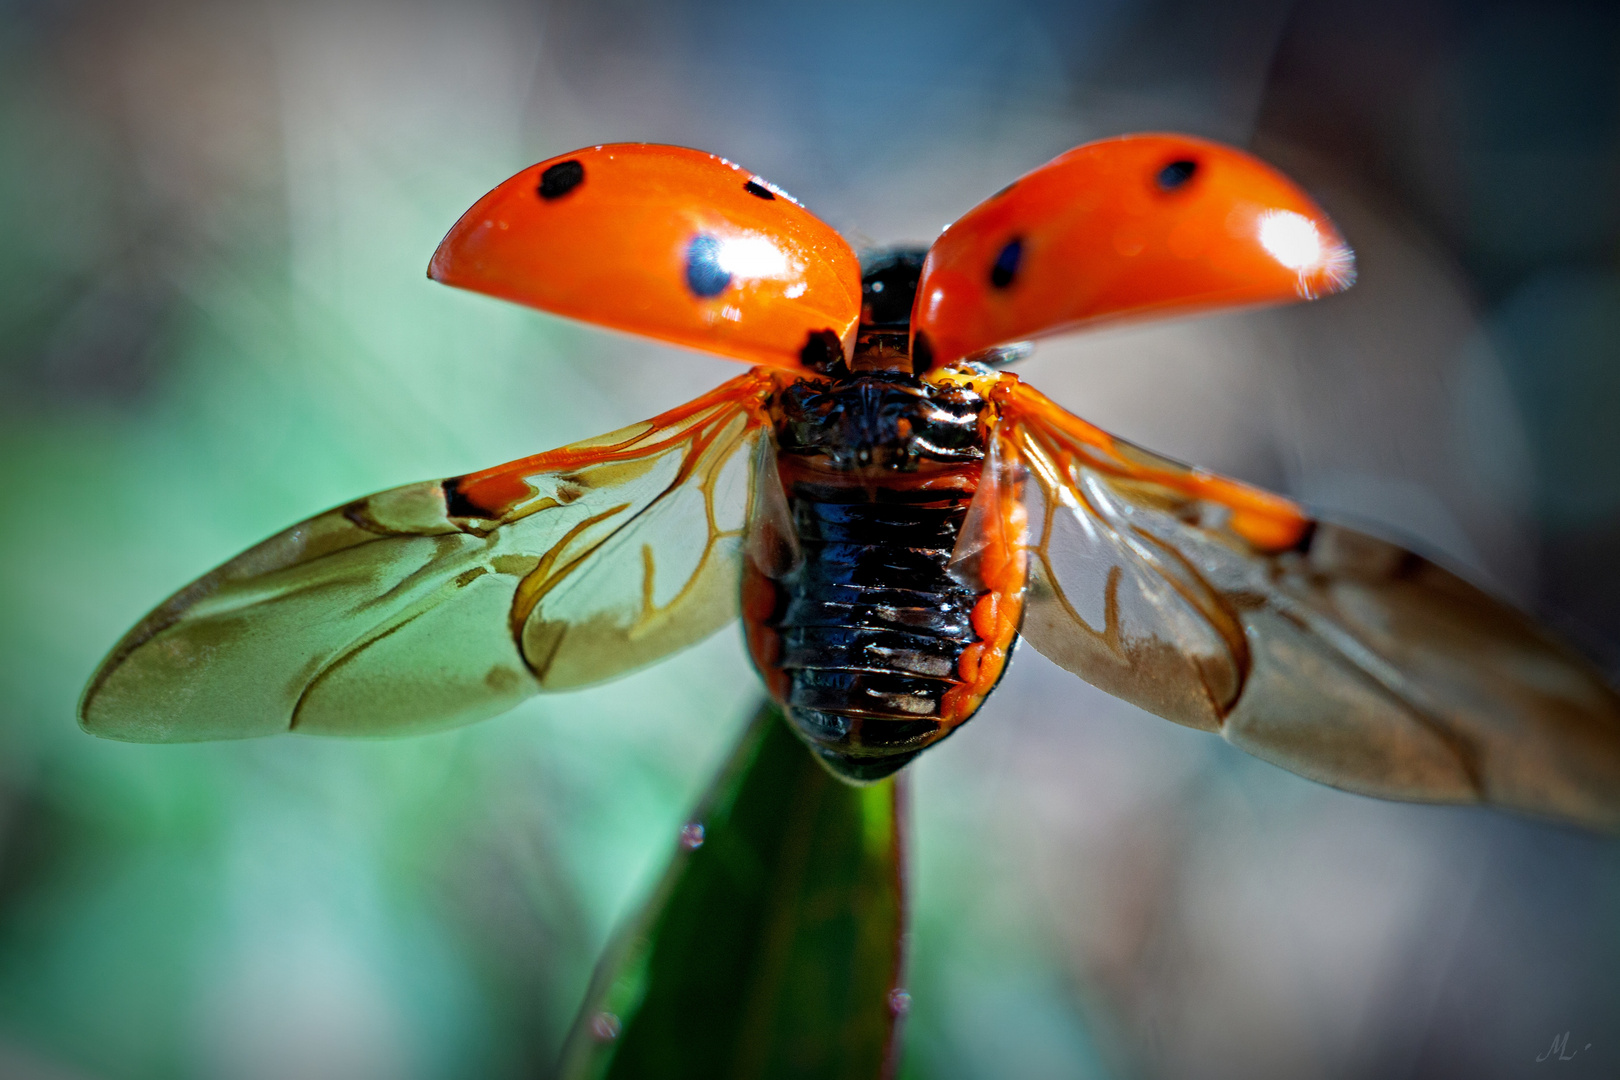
<point>704,274</point>
<point>922,353</point>
<point>1006,267</point>
<point>759,190</point>
<point>823,352</point>
<point>1175,174</point>
<point>560,179</point>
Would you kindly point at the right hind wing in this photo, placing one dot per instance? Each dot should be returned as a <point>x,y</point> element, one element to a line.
<point>441,603</point>
<point>1341,657</point>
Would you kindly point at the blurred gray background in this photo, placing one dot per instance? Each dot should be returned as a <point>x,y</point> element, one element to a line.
<point>214,221</point>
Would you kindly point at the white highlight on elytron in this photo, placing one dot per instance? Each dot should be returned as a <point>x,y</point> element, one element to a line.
<point>1291,238</point>
<point>751,257</point>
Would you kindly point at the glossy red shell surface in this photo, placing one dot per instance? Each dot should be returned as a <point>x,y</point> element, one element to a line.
<point>1129,227</point>
<point>665,242</point>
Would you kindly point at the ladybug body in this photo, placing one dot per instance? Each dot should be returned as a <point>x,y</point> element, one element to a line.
<point>892,511</point>
<point>862,632</point>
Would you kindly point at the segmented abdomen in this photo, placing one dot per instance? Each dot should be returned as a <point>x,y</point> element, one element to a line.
<point>862,642</point>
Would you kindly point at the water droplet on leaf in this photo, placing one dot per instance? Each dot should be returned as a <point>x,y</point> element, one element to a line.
<point>605,1027</point>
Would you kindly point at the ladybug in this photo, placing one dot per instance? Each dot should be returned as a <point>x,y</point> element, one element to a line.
<point>884,505</point>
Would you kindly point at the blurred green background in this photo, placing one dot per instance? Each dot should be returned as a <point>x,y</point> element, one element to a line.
<point>214,224</point>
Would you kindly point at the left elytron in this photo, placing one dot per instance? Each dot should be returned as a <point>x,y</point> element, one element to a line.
<point>889,509</point>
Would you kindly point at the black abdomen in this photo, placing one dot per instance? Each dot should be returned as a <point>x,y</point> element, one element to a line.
<point>869,627</point>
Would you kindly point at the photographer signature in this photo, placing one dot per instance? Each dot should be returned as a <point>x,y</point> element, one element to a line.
<point>1560,1047</point>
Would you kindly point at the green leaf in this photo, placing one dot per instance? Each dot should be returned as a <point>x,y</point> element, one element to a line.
<point>773,947</point>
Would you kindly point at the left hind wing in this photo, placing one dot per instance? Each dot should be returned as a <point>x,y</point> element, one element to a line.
<point>1338,656</point>
<point>441,603</point>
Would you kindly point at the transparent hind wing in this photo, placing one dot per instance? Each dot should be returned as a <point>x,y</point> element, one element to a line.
<point>441,603</point>
<point>1338,656</point>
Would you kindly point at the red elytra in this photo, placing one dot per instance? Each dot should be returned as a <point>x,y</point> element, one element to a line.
<point>607,234</point>
<point>1131,227</point>
<point>1143,225</point>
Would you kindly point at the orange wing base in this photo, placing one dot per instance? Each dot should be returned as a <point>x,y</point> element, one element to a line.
<point>1269,522</point>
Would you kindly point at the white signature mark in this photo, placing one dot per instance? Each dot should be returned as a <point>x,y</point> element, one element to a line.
<point>1560,1046</point>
